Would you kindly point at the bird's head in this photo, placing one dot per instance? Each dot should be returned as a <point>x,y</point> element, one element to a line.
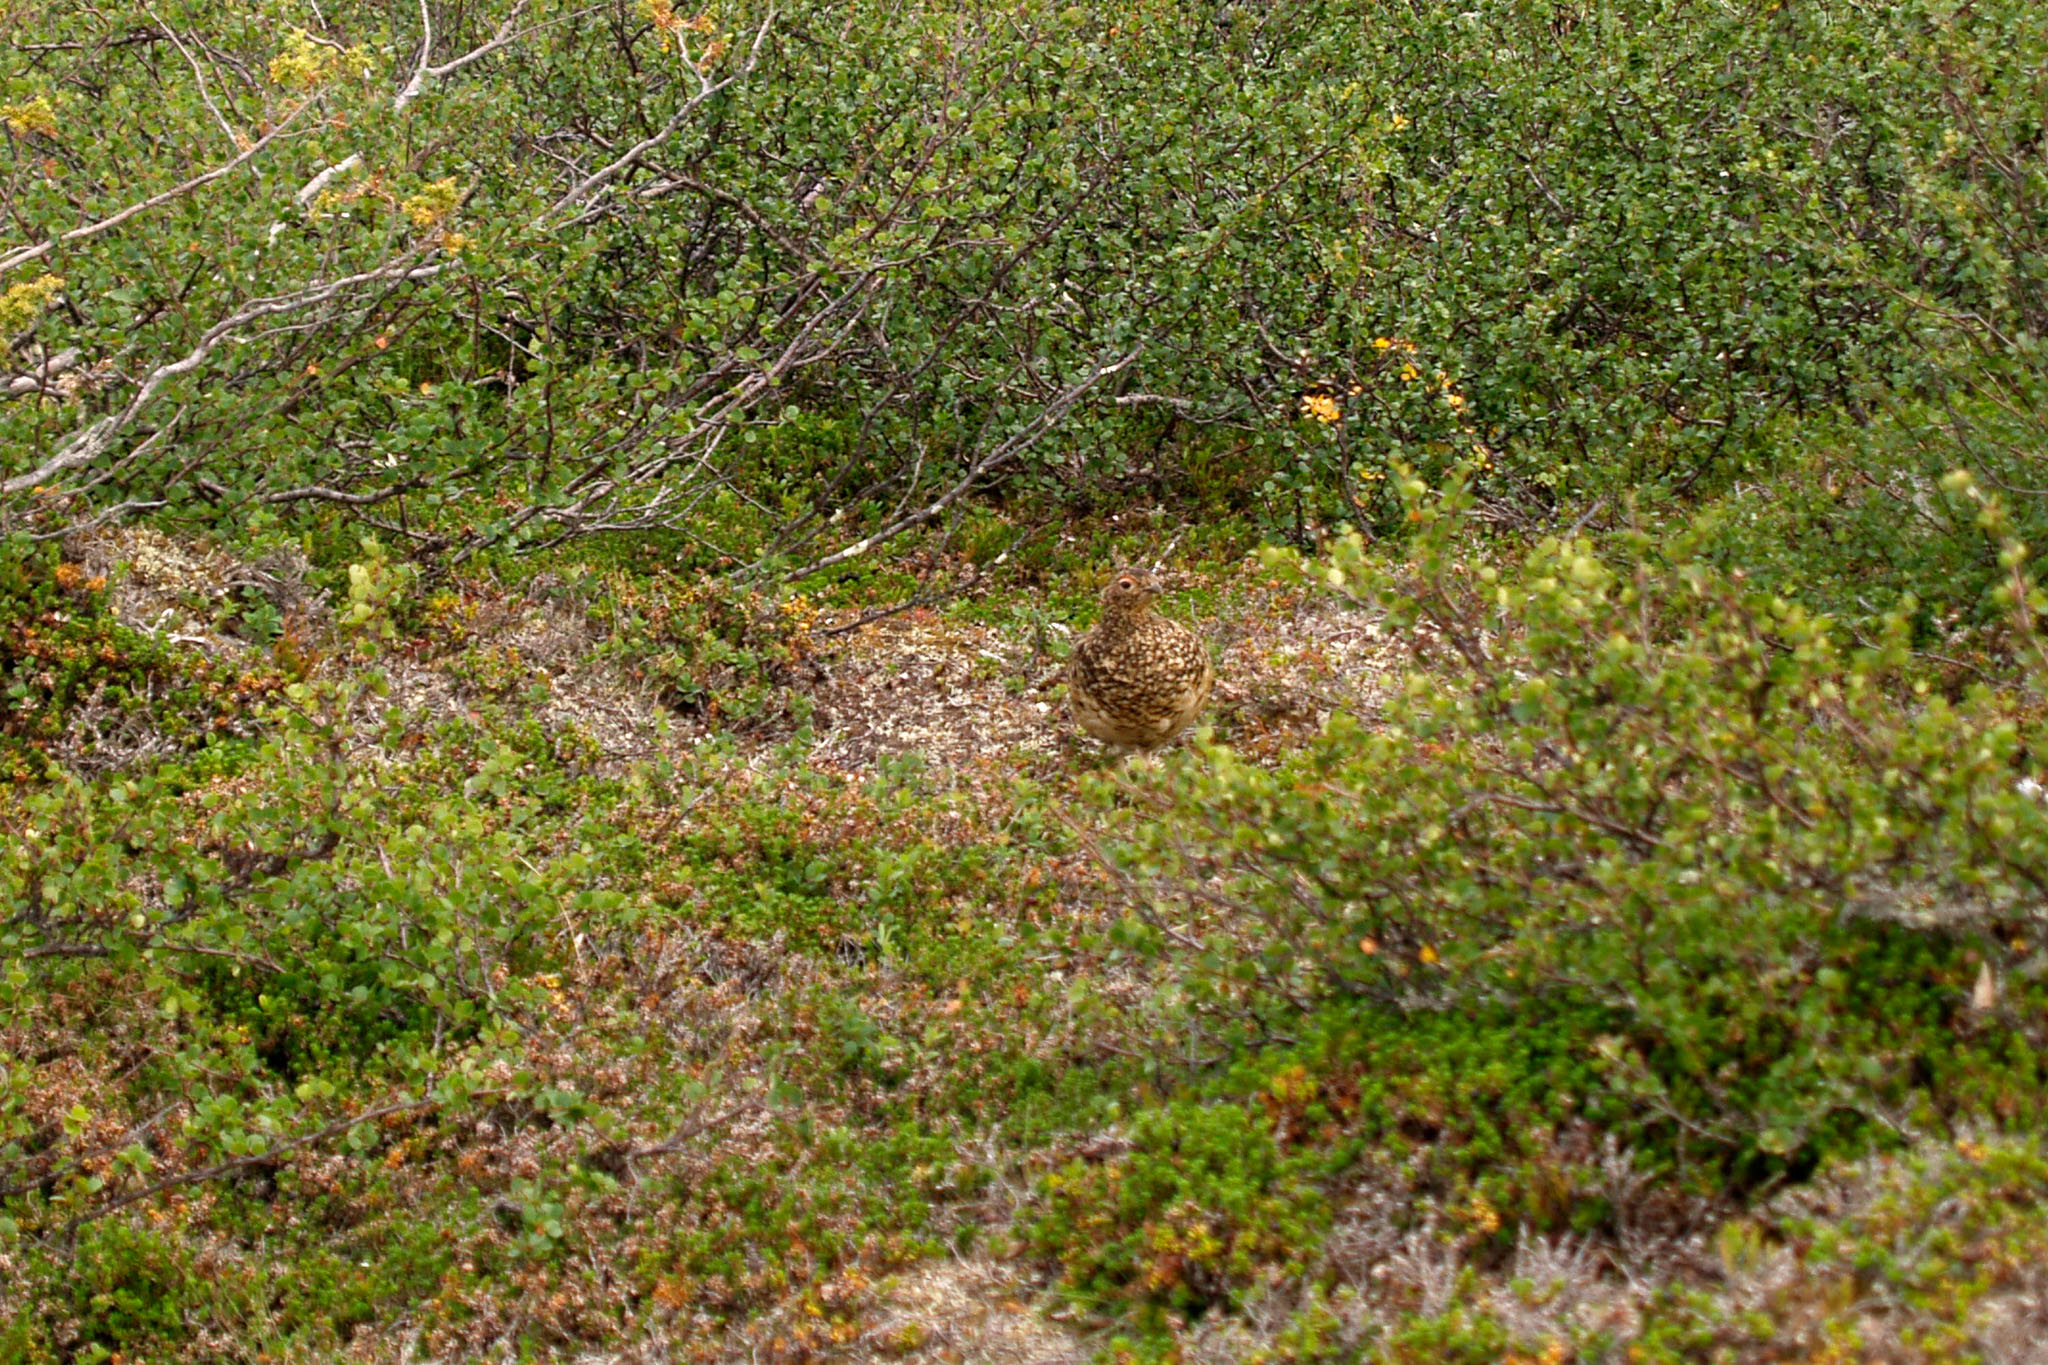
<point>1131,590</point>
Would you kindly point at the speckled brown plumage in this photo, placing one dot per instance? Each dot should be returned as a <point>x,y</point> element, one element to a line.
<point>1137,679</point>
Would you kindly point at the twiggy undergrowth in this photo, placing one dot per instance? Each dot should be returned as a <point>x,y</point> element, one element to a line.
<point>496,1040</point>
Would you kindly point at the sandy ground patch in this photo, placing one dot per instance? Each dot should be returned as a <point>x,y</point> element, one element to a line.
<point>956,692</point>
<point>970,1311</point>
<point>952,691</point>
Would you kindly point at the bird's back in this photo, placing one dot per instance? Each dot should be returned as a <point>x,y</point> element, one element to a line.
<point>1139,682</point>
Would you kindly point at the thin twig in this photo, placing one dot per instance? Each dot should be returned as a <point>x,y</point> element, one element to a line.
<point>265,1158</point>
<point>80,233</point>
<point>689,1132</point>
<point>923,599</point>
<point>234,138</point>
<point>1002,454</point>
<point>505,35</point>
<point>633,155</point>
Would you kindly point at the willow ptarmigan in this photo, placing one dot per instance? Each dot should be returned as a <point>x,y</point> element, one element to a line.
<point>1137,679</point>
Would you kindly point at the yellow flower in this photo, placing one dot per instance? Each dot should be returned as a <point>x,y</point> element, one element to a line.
<point>433,203</point>
<point>306,62</point>
<point>25,302</point>
<point>1321,406</point>
<point>31,116</point>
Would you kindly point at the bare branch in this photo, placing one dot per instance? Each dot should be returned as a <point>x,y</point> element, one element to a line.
<point>1002,454</point>
<point>419,75</point>
<point>31,253</point>
<point>199,76</point>
<point>96,439</point>
<point>695,1129</point>
<point>595,492</point>
<point>505,35</point>
<point>38,379</point>
<point>263,1158</point>
<point>597,180</point>
<point>311,189</point>
<point>679,181</point>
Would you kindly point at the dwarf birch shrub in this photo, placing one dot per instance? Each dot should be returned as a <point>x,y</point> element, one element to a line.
<point>346,908</point>
<point>79,687</point>
<point>1864,514</point>
<point>1799,885</point>
<point>785,280</point>
<point>1206,1203</point>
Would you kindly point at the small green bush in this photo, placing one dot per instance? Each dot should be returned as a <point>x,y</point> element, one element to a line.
<point>319,919</point>
<point>132,1292</point>
<point>1776,860</point>
<point>1861,518</point>
<point>1205,1203</point>
<point>71,674</point>
<point>1598,251</point>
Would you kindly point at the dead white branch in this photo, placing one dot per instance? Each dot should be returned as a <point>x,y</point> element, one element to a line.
<point>507,33</point>
<point>706,89</point>
<point>89,444</point>
<point>38,379</point>
<point>311,189</point>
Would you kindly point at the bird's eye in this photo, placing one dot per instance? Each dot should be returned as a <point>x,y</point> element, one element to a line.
<point>1126,584</point>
